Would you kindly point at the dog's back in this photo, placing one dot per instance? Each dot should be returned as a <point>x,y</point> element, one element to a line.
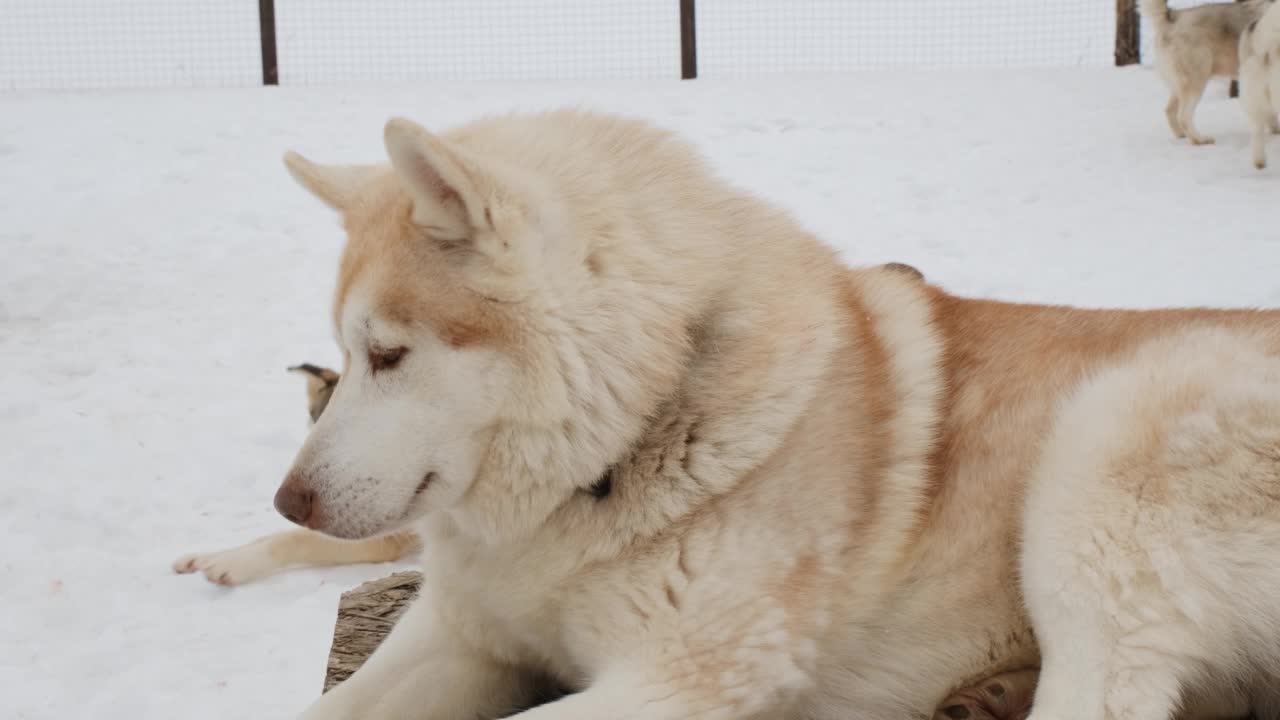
<point>1211,31</point>
<point>1222,18</point>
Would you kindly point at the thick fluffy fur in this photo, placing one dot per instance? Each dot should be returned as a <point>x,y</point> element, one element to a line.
<point>834,493</point>
<point>1193,46</point>
<point>1151,526</point>
<point>1260,80</point>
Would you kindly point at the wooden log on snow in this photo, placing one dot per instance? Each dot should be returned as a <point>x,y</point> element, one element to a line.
<point>365,616</point>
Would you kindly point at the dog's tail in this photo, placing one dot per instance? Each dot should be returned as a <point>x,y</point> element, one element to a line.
<point>1158,12</point>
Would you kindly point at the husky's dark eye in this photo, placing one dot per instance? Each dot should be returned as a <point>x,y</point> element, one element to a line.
<point>388,359</point>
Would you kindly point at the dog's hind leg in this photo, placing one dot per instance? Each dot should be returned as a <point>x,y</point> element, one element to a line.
<point>1189,94</point>
<point>294,548</point>
<point>1171,114</point>
<point>1097,663</point>
<point>1151,527</point>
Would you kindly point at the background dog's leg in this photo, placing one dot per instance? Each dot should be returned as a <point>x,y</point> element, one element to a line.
<point>1261,123</point>
<point>1258,145</point>
<point>294,548</point>
<point>1171,113</point>
<point>1258,109</point>
<point>423,670</point>
<point>1188,98</point>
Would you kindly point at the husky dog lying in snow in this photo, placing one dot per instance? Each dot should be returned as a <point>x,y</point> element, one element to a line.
<point>663,448</point>
<point>1260,80</point>
<point>1193,46</point>
<point>1004,697</point>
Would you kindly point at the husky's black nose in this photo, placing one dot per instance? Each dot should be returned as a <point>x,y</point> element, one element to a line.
<point>294,500</point>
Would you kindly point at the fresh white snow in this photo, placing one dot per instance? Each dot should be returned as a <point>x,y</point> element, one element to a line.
<point>160,270</point>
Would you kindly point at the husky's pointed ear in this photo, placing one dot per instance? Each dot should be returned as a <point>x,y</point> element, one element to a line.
<point>336,185</point>
<point>439,179</point>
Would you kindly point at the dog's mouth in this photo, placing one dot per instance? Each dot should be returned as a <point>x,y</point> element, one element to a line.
<point>412,508</point>
<point>417,492</point>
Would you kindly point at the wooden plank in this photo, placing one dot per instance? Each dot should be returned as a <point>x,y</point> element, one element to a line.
<point>365,616</point>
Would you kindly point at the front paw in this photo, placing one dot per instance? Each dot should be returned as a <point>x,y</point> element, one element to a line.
<point>228,567</point>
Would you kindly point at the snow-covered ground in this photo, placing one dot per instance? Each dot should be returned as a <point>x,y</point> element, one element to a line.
<point>160,270</point>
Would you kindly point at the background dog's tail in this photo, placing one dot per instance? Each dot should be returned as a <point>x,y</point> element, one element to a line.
<point>1266,31</point>
<point>1158,12</point>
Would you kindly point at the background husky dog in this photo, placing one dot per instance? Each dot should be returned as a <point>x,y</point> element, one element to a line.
<point>1193,46</point>
<point>832,493</point>
<point>1260,80</point>
<point>320,384</point>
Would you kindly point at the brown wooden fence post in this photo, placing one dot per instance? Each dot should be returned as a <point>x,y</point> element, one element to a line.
<point>688,41</point>
<point>267,34</point>
<point>1128,33</point>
